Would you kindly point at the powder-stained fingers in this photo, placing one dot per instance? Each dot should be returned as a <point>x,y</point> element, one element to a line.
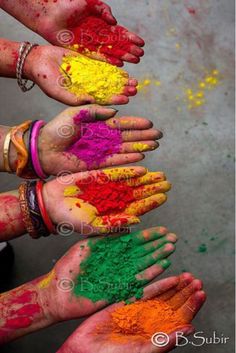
<point>152,258</point>
<point>105,11</point>
<point>135,39</point>
<point>144,146</point>
<point>148,235</point>
<point>141,207</point>
<point>192,305</point>
<point>180,297</point>
<point>130,91</point>
<point>124,158</point>
<point>145,191</point>
<point>112,60</point>
<point>149,178</point>
<point>136,50</point>
<point>119,99</point>
<point>129,123</point>
<point>151,246</point>
<point>112,223</point>
<point>153,271</point>
<point>184,280</point>
<point>141,135</point>
<point>123,55</point>
<point>158,288</point>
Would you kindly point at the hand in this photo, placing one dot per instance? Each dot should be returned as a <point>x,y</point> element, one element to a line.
<point>153,246</point>
<point>74,26</point>
<point>99,201</point>
<point>42,66</point>
<point>86,129</point>
<point>183,289</point>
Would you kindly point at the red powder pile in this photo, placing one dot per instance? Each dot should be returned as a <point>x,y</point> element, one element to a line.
<point>108,198</point>
<point>95,35</point>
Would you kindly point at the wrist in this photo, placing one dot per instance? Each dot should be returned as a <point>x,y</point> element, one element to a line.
<point>31,59</point>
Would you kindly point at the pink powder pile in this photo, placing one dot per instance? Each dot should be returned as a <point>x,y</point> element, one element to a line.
<point>97,141</point>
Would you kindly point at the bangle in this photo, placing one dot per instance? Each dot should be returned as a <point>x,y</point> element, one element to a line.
<point>34,210</point>
<point>47,221</point>
<point>26,212</point>
<point>29,172</point>
<point>34,149</point>
<point>17,138</point>
<point>24,50</point>
<point>6,149</point>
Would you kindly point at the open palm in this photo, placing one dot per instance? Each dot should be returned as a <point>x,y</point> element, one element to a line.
<point>153,246</point>
<point>43,68</point>
<point>89,127</point>
<point>64,25</point>
<point>94,334</point>
<point>94,202</point>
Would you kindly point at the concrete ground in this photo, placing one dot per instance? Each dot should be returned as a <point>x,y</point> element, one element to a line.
<point>185,40</point>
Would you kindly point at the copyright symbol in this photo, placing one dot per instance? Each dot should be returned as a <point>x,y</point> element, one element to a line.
<point>65,177</point>
<point>65,229</point>
<point>64,81</point>
<point>65,284</point>
<point>65,37</point>
<point>160,339</point>
<point>66,131</point>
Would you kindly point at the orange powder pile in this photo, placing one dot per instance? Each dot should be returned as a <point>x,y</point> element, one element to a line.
<point>144,318</point>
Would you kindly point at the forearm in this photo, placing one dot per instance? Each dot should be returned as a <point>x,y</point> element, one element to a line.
<point>24,310</point>
<point>11,223</point>
<point>8,57</point>
<point>27,12</point>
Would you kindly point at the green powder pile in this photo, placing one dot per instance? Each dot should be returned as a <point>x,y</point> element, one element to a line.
<point>109,272</point>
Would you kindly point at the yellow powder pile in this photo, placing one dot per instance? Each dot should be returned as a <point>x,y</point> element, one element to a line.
<point>92,77</point>
<point>144,318</point>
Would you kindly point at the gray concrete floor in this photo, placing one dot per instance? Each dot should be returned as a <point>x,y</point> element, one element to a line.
<point>197,152</point>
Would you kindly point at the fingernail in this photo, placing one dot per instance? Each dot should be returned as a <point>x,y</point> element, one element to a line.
<point>115,110</point>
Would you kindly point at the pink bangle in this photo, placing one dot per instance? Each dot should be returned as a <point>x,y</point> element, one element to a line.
<point>34,149</point>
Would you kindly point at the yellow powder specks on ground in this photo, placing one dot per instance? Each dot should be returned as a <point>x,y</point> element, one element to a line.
<point>140,147</point>
<point>91,77</point>
<point>146,83</point>
<point>71,191</point>
<point>46,280</point>
<point>196,96</point>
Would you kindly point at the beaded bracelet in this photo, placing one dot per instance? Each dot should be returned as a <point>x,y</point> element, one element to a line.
<point>17,138</point>
<point>24,50</point>
<point>39,192</point>
<point>34,149</point>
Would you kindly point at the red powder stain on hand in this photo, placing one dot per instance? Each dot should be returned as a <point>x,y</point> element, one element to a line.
<point>107,197</point>
<point>18,323</point>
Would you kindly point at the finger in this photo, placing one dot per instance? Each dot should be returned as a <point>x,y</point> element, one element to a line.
<point>151,246</point>
<point>106,224</point>
<point>113,61</point>
<point>192,305</point>
<point>132,82</point>
<point>131,123</point>
<point>152,258</point>
<point>153,271</point>
<point>148,235</point>
<point>149,178</point>
<point>182,296</point>
<point>141,207</point>
<point>140,135</point>
<point>130,91</point>
<point>120,159</point>
<point>158,288</point>
<point>89,113</point>
<point>135,39</point>
<point>184,280</point>
<point>136,51</point>
<point>145,191</point>
<point>105,11</point>
<point>119,100</point>
<point>144,146</point>
<point>123,55</point>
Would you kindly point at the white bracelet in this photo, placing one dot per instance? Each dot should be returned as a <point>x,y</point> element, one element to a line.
<point>24,50</point>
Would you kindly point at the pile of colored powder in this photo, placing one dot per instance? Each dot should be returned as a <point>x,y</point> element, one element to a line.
<point>91,77</point>
<point>109,272</point>
<point>96,36</point>
<point>97,142</point>
<point>144,318</point>
<point>109,197</point>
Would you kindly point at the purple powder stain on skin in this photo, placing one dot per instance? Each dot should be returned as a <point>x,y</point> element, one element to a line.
<point>97,141</point>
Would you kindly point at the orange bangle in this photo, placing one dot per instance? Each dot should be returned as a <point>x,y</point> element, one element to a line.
<point>17,138</point>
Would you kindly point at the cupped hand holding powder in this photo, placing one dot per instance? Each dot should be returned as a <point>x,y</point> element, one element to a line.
<point>86,26</point>
<point>168,307</point>
<point>100,201</point>
<point>75,79</point>
<point>91,137</point>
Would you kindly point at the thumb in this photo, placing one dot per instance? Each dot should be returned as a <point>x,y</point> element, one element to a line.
<point>162,342</point>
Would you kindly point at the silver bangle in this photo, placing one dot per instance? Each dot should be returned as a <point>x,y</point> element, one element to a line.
<point>24,50</point>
